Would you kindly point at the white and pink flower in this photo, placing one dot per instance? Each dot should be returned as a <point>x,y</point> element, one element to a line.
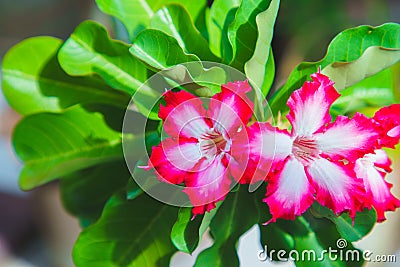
<point>315,161</point>
<point>372,169</point>
<point>338,163</point>
<point>198,152</point>
<point>388,125</point>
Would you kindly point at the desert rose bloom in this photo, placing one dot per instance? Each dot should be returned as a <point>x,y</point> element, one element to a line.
<point>388,124</point>
<point>197,152</point>
<point>315,161</point>
<point>372,168</point>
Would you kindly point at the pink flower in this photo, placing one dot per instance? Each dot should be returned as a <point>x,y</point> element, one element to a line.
<point>372,168</point>
<point>198,151</point>
<point>388,124</point>
<point>315,161</point>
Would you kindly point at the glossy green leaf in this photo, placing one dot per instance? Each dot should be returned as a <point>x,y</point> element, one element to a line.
<point>312,239</point>
<point>129,233</point>
<point>54,145</point>
<point>136,14</point>
<point>363,222</point>
<point>201,23</point>
<point>187,232</point>
<point>373,60</point>
<point>85,193</point>
<point>217,19</point>
<point>274,238</point>
<point>243,33</point>
<point>33,80</point>
<point>347,46</point>
<point>174,20</point>
<point>197,79</point>
<point>260,69</point>
<point>158,50</point>
<point>374,91</point>
<point>237,214</point>
<point>89,50</point>
<point>162,52</point>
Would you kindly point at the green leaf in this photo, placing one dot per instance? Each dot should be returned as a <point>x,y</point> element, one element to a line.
<point>53,145</point>
<point>237,214</point>
<point>395,69</point>
<point>201,23</point>
<point>219,17</point>
<point>162,52</point>
<point>373,60</point>
<point>158,50</point>
<point>187,233</point>
<point>374,91</point>
<point>242,32</point>
<point>89,50</point>
<point>174,20</point>
<point>260,69</point>
<point>85,193</point>
<point>347,46</point>
<point>313,238</point>
<point>133,189</point>
<point>274,238</point>
<point>136,14</point>
<point>129,233</point>
<point>33,80</point>
<point>363,223</point>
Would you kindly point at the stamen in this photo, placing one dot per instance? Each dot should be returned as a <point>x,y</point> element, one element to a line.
<point>305,150</point>
<point>212,143</point>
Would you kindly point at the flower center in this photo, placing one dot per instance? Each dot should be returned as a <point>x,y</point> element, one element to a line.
<point>212,143</point>
<point>305,150</point>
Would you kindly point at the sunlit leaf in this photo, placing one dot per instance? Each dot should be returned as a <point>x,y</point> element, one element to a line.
<point>188,231</point>
<point>89,50</point>
<point>374,91</point>
<point>159,50</point>
<point>39,84</point>
<point>136,14</point>
<point>260,69</point>
<point>54,145</point>
<point>217,19</point>
<point>242,32</point>
<point>373,60</point>
<point>174,20</point>
<point>347,46</point>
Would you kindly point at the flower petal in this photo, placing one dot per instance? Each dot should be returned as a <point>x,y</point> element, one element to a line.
<point>238,87</point>
<point>266,145</point>
<point>336,186</point>
<point>380,160</point>
<point>172,159</point>
<point>290,193</point>
<point>347,138</point>
<point>309,105</point>
<point>231,108</point>
<point>207,183</point>
<point>388,119</point>
<point>377,189</point>
<point>183,115</point>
